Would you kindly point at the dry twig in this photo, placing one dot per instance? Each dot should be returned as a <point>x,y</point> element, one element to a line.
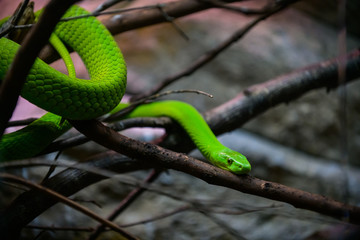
<point>60,198</point>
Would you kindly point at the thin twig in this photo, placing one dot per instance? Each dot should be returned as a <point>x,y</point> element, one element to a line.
<point>67,201</point>
<point>160,216</point>
<point>55,228</point>
<point>244,10</point>
<point>199,206</point>
<point>132,196</point>
<point>118,115</point>
<point>52,167</point>
<point>171,20</point>
<point>225,226</point>
<point>210,55</point>
<point>107,4</point>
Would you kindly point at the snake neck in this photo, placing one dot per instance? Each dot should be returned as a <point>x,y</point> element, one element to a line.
<point>188,118</point>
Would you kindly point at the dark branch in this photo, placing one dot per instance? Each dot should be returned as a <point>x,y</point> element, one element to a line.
<point>132,196</point>
<point>58,197</point>
<point>31,204</point>
<point>255,100</point>
<point>213,175</point>
<point>284,89</point>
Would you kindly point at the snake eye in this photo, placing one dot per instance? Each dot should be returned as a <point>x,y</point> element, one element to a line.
<point>230,161</point>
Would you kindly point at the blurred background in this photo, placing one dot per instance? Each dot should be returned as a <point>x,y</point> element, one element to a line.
<point>297,144</point>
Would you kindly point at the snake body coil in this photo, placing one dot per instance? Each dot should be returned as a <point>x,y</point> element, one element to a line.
<point>75,98</point>
<point>72,98</point>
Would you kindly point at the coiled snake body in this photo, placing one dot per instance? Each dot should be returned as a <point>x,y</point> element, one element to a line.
<point>71,98</point>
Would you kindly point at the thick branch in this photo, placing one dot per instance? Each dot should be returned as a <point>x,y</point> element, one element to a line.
<point>224,118</point>
<point>258,99</point>
<point>31,204</point>
<point>213,175</point>
<point>52,194</point>
<point>284,89</point>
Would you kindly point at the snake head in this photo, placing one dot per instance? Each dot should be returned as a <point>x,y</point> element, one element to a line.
<point>231,160</point>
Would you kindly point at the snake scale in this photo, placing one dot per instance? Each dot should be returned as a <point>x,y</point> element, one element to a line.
<point>68,97</point>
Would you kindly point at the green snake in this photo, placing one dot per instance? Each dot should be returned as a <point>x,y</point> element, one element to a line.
<point>67,97</point>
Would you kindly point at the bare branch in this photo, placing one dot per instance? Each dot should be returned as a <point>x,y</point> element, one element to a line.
<point>210,55</point>
<point>284,89</point>
<point>67,201</point>
<point>132,196</point>
<point>213,175</point>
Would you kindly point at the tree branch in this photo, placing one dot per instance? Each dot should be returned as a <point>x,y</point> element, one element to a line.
<point>237,111</point>
<point>131,197</point>
<point>31,204</point>
<point>250,103</point>
<point>213,175</point>
<point>210,55</point>
<point>261,97</point>
<point>58,197</point>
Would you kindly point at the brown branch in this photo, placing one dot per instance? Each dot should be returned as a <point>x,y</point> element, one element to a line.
<point>36,39</point>
<point>32,203</point>
<point>256,100</point>
<point>146,17</point>
<point>250,100</point>
<point>244,10</point>
<point>213,175</point>
<point>63,199</point>
<point>253,101</point>
<point>119,126</point>
<point>261,97</point>
<point>55,228</point>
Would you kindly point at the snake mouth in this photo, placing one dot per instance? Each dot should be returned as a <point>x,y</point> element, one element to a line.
<point>246,168</point>
<point>239,168</point>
